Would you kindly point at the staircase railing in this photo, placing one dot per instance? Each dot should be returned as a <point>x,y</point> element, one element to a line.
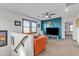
<point>20,43</point>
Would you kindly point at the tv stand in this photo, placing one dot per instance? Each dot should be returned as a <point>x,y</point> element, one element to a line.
<point>54,36</point>
<point>57,37</point>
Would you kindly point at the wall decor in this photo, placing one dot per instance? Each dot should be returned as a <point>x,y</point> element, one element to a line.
<point>17,23</point>
<point>12,40</point>
<point>3,38</point>
<point>38,25</point>
<point>77,23</point>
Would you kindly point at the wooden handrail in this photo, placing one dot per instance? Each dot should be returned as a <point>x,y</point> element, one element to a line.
<point>20,43</point>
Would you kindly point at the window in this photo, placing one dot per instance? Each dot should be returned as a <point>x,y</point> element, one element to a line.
<point>26,26</point>
<point>29,26</point>
<point>34,26</point>
<point>71,28</point>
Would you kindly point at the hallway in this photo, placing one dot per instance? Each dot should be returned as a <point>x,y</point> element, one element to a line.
<point>66,47</point>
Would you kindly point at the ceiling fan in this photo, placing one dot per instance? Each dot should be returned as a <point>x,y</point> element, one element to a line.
<point>48,14</point>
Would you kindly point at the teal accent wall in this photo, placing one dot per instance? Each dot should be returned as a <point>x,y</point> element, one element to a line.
<point>52,23</point>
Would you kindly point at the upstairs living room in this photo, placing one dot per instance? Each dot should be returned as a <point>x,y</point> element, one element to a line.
<point>39,29</point>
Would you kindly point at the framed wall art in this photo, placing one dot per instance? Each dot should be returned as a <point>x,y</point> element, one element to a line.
<point>17,23</point>
<point>12,40</point>
<point>77,23</point>
<point>38,25</point>
<point>3,38</point>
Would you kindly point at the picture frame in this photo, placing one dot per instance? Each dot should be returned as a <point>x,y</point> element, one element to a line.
<point>12,40</point>
<point>38,25</point>
<point>3,38</point>
<point>77,23</point>
<point>17,23</point>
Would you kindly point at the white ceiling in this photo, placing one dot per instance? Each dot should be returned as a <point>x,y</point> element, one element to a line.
<point>36,9</point>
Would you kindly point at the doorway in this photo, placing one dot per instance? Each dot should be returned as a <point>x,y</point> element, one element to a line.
<point>68,30</point>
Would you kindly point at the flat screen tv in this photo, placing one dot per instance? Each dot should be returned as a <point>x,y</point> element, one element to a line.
<point>52,31</point>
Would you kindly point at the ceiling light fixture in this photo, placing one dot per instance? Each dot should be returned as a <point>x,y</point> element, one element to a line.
<point>47,16</point>
<point>66,9</point>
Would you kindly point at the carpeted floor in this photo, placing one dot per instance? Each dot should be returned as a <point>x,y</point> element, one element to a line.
<point>66,47</point>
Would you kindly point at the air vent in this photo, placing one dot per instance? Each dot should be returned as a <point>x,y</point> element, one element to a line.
<point>69,4</point>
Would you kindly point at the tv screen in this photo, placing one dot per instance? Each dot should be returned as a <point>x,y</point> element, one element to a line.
<point>52,31</point>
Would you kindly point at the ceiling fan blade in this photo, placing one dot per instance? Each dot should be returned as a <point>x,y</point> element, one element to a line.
<point>47,13</point>
<point>52,14</point>
<point>43,14</point>
<point>49,16</point>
